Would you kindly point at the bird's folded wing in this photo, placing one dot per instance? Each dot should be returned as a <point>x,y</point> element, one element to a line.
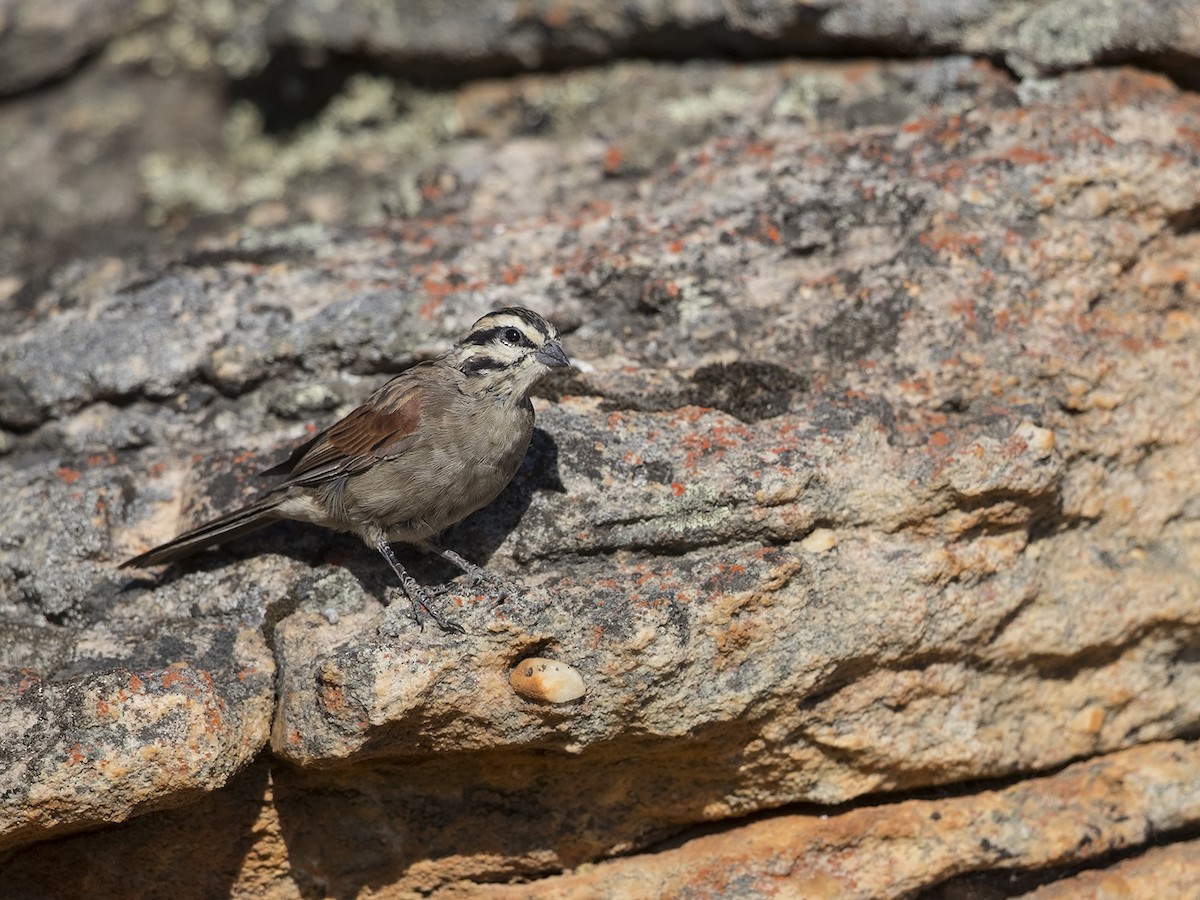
<point>384,426</point>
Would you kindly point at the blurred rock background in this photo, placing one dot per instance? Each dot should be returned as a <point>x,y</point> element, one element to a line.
<point>869,519</point>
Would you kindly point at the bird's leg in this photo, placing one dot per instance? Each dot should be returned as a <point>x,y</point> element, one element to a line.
<point>479,576</point>
<point>416,594</point>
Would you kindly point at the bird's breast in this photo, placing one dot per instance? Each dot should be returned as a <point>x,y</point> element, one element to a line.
<point>463,460</point>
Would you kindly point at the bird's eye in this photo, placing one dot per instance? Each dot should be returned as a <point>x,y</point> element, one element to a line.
<point>512,336</point>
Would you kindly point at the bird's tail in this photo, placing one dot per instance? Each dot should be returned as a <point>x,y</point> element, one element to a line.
<point>218,531</point>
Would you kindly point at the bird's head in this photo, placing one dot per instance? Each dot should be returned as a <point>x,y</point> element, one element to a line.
<point>507,352</point>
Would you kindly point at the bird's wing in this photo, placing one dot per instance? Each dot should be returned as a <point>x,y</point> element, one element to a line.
<point>383,427</point>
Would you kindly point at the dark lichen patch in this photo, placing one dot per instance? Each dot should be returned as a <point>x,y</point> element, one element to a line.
<point>747,389</point>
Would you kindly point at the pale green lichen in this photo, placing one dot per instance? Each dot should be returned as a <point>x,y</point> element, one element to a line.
<point>174,186</point>
<point>720,100</point>
<point>375,124</point>
<point>802,96</point>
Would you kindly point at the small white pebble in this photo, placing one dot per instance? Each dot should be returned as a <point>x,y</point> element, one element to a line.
<point>330,614</point>
<point>546,679</point>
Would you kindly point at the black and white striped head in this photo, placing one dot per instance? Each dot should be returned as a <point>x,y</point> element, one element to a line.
<point>507,352</point>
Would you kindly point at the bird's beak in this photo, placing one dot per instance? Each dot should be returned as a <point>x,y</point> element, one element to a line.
<point>552,355</point>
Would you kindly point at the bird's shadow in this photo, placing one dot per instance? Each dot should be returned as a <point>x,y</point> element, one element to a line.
<point>476,538</point>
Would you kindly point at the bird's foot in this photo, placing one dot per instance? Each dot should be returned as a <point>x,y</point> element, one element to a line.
<point>480,579</point>
<point>418,598</point>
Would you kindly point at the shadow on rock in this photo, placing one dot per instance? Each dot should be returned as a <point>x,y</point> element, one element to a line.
<point>197,851</point>
<point>398,817</point>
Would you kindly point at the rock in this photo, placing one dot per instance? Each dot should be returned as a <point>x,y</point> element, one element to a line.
<point>40,42</point>
<point>117,741</point>
<point>1169,871</point>
<point>879,476</point>
<point>1049,37</point>
<point>896,848</point>
<point>127,143</point>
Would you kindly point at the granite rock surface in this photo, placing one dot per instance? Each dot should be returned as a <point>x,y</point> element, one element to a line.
<point>869,517</point>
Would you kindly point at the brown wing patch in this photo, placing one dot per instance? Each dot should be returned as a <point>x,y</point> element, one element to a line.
<point>379,426</point>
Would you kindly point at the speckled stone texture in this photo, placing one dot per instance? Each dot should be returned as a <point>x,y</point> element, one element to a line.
<point>869,517</point>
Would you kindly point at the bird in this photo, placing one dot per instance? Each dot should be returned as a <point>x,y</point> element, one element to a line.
<point>428,448</point>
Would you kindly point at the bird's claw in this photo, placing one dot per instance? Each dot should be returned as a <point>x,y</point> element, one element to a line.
<point>419,610</point>
<point>420,606</point>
